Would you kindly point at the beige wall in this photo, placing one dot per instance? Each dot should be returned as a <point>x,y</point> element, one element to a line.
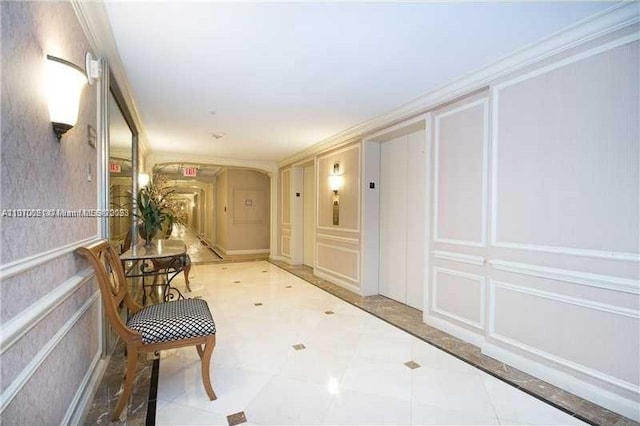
<point>49,310</point>
<point>244,227</point>
<point>337,247</point>
<point>284,224</point>
<point>221,209</point>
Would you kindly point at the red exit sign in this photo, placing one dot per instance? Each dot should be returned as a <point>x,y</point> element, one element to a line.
<point>189,172</point>
<point>114,167</point>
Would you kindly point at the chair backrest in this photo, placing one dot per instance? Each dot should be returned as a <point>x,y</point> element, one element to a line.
<point>113,285</point>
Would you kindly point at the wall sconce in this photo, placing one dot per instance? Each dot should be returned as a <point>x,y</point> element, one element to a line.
<point>65,81</point>
<point>335,184</point>
<point>335,180</point>
<point>143,179</point>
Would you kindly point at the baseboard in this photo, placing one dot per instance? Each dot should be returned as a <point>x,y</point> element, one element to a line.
<point>219,248</point>
<point>81,402</point>
<point>455,330</point>
<point>224,251</point>
<point>245,252</point>
<point>338,281</point>
<point>614,402</point>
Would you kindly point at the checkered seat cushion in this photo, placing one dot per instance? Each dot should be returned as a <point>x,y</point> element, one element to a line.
<point>179,319</point>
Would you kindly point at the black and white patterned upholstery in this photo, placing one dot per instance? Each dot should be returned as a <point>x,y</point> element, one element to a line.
<point>179,319</point>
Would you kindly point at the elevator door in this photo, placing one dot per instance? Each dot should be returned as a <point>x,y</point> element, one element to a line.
<point>402,171</point>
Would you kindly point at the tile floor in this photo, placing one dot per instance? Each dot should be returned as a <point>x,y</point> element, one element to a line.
<point>291,353</point>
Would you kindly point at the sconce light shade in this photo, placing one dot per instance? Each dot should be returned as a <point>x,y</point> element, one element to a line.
<point>64,87</point>
<point>143,179</point>
<point>335,179</point>
<point>335,182</point>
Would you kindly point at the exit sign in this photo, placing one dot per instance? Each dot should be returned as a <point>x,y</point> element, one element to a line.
<point>114,167</point>
<point>189,172</point>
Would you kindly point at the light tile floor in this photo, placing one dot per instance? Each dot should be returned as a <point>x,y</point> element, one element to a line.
<point>351,371</point>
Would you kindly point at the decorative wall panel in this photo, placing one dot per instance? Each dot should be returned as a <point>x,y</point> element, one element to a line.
<point>340,261</point>
<point>460,184</point>
<point>459,296</point>
<point>569,342</point>
<point>565,154</point>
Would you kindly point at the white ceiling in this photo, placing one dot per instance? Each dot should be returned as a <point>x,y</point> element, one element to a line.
<point>283,76</point>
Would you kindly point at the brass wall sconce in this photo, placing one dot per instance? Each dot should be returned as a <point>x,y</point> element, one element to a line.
<point>335,184</point>
<point>65,81</point>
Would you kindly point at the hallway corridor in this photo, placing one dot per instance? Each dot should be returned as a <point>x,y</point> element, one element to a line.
<point>197,250</point>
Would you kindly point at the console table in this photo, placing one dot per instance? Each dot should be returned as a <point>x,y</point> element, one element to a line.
<point>163,259</point>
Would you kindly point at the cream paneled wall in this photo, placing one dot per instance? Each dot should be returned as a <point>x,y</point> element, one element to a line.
<point>50,313</point>
<point>285,194</point>
<point>566,181</point>
<point>337,247</point>
<point>532,218</point>
<point>460,176</point>
<point>594,146</point>
<point>535,248</point>
<point>222,221</point>
<point>457,290</point>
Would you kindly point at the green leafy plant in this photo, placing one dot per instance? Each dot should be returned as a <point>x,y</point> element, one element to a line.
<point>153,210</point>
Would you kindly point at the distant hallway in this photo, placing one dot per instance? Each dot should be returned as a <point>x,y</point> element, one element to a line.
<point>197,250</point>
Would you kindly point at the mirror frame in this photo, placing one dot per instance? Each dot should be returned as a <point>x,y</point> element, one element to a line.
<point>110,87</point>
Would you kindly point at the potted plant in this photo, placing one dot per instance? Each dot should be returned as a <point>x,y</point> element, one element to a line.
<point>153,210</point>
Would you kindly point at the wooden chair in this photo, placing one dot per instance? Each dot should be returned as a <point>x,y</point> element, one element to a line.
<point>168,325</point>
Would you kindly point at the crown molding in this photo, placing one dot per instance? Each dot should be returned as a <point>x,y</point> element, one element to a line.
<point>159,157</point>
<point>95,23</point>
<point>607,21</point>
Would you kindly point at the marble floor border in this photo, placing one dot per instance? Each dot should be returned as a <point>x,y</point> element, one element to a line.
<point>410,320</point>
<point>108,392</point>
<point>153,393</point>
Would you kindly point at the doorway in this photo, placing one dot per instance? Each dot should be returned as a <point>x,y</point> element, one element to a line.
<point>396,214</point>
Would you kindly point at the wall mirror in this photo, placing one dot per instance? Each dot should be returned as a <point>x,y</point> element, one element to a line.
<point>120,173</point>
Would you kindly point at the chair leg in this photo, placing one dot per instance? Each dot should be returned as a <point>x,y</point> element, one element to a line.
<point>187,268</point>
<point>200,351</point>
<point>132,360</point>
<point>205,362</point>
